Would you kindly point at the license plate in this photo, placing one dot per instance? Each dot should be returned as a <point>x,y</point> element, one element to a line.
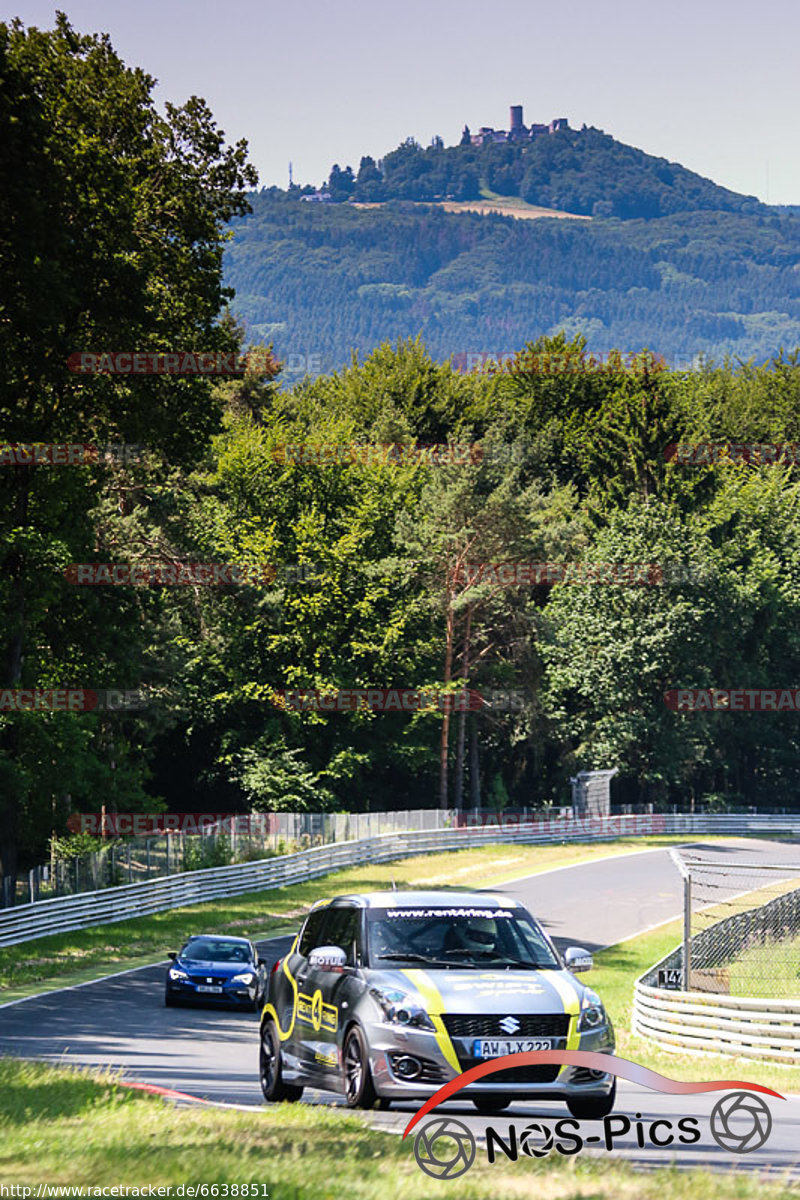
<point>496,1047</point>
<point>204,987</point>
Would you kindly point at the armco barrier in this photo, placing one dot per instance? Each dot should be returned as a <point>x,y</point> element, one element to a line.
<point>29,921</point>
<point>710,1024</point>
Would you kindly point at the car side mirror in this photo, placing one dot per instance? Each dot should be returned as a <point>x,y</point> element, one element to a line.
<point>577,959</point>
<point>173,954</point>
<point>327,958</point>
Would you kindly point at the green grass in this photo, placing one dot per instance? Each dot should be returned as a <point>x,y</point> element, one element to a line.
<point>66,1127</point>
<point>778,964</point>
<point>84,954</point>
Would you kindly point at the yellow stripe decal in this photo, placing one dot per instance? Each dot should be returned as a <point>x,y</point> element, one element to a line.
<point>572,1005</point>
<point>435,1006</point>
<point>283,1034</point>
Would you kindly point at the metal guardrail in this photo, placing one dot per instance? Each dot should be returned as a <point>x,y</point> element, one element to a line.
<point>701,1022</point>
<point>30,921</point>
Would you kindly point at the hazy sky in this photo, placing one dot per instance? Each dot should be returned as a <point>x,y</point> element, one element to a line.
<point>712,84</point>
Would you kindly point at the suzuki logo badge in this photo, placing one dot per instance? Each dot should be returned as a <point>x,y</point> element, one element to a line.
<point>509,1025</point>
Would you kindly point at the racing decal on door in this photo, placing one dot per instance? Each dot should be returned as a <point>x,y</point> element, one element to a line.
<point>311,1010</point>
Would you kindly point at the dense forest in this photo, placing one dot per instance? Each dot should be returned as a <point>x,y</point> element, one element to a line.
<point>322,280</point>
<point>367,582</point>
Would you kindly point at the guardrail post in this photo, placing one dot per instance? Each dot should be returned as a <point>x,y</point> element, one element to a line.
<point>687,930</point>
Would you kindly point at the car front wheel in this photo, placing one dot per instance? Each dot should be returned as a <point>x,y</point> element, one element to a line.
<point>269,1068</point>
<point>592,1108</point>
<point>359,1090</point>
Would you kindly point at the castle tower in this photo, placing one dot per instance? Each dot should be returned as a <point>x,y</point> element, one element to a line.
<point>516,125</point>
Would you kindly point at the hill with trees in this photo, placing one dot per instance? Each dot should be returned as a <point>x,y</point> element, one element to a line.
<point>583,171</point>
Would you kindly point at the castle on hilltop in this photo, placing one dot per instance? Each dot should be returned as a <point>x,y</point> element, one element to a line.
<point>518,132</point>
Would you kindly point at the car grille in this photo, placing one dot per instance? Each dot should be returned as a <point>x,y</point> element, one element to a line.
<point>210,980</point>
<point>487,1025</point>
<point>475,1025</point>
<point>547,1073</point>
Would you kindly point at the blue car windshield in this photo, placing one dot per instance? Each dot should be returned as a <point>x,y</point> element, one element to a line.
<point>458,935</point>
<point>213,950</point>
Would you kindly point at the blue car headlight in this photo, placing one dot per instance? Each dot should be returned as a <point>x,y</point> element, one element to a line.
<point>593,1015</point>
<point>400,1008</point>
<point>177,973</point>
<point>247,977</point>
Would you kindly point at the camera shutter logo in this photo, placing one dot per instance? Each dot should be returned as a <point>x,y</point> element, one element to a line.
<point>536,1140</point>
<point>452,1159</point>
<point>740,1122</point>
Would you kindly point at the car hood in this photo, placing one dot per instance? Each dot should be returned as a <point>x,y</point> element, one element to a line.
<point>484,991</point>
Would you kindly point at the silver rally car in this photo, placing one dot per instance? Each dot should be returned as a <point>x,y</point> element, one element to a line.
<point>386,996</point>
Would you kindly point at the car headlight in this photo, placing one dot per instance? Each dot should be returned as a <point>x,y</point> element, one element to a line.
<point>247,978</point>
<point>593,1015</point>
<point>176,973</point>
<point>400,1008</point>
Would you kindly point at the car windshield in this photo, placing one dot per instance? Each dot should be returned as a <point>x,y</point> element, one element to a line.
<point>213,950</point>
<point>458,937</point>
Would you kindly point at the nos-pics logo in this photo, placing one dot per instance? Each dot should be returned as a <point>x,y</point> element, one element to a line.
<point>445,1148</point>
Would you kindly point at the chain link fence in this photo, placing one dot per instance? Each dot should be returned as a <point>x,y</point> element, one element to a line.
<point>741,929</point>
<point>137,859</point>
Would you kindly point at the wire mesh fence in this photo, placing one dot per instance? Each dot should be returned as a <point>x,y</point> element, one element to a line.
<point>741,928</point>
<point>137,859</point>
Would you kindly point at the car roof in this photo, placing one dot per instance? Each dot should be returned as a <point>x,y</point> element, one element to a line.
<point>433,899</point>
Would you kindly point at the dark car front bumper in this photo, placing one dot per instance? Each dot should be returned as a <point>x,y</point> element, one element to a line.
<point>236,994</point>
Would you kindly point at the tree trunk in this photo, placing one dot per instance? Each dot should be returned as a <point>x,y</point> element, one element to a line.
<point>10,797</point>
<point>474,764</point>
<point>462,717</point>
<point>448,675</point>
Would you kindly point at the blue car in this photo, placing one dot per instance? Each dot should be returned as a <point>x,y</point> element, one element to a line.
<point>213,969</point>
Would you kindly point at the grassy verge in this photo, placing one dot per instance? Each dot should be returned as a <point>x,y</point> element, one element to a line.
<point>68,958</point>
<point>618,967</point>
<point>65,1127</point>
<point>778,962</point>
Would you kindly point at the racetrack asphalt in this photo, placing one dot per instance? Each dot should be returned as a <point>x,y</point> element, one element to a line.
<point>121,1022</point>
